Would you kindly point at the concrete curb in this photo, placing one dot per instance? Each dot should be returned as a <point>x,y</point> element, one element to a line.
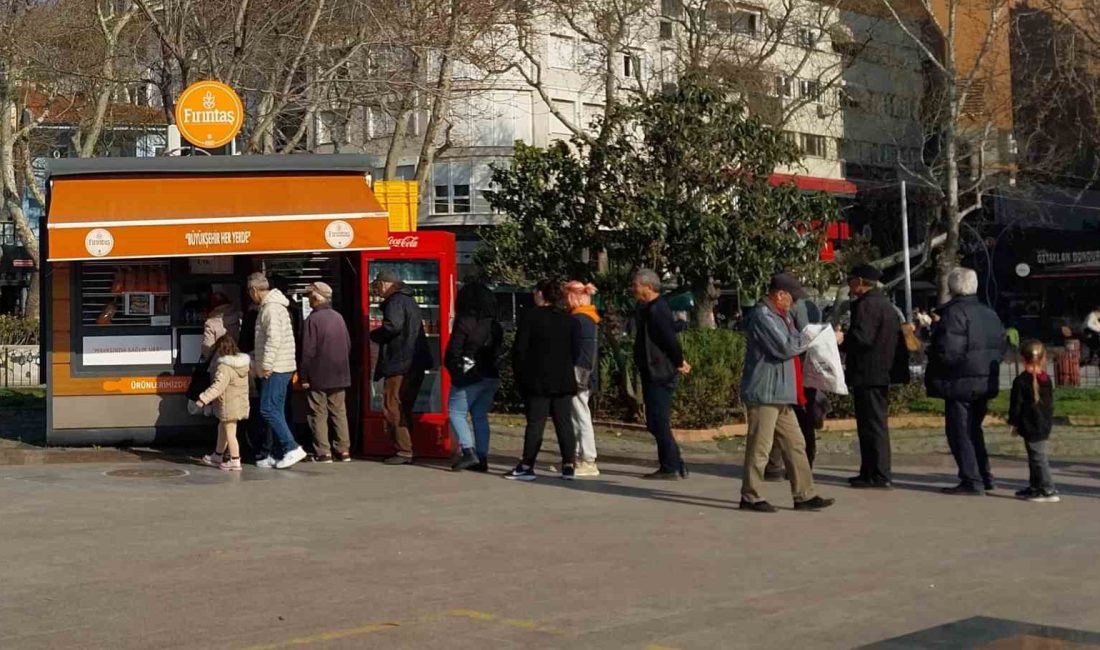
<point>61,456</point>
<point>740,430</point>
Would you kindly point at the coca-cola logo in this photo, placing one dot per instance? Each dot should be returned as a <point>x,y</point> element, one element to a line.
<point>408,241</point>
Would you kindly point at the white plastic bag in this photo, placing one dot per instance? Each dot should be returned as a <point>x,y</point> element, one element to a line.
<point>823,369</point>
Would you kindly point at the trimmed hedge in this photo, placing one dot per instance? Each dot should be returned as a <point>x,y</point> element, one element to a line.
<point>15,330</point>
<point>708,397</point>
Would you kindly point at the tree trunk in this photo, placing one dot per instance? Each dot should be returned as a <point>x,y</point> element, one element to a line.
<point>441,101</point>
<point>949,255</point>
<point>401,126</point>
<point>33,308</point>
<point>706,299</point>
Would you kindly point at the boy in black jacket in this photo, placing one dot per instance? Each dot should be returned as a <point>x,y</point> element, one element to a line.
<point>1031,415</point>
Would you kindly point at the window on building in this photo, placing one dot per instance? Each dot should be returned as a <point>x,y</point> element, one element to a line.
<point>632,66</point>
<point>746,22</point>
<point>452,187</point>
<point>784,86</point>
<point>590,113</point>
<point>810,89</point>
<point>460,198</point>
<point>808,37</point>
<point>558,129</point>
<point>671,8</point>
<point>814,146</point>
<point>563,52</point>
<point>442,200</point>
<point>666,30</point>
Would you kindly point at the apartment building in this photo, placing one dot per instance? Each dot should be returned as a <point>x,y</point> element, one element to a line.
<point>843,80</point>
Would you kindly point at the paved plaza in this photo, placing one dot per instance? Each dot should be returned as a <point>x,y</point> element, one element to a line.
<point>162,554</point>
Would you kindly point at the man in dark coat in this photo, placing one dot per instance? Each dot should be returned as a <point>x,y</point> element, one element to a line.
<point>870,346</point>
<point>325,371</point>
<point>964,368</point>
<point>660,361</point>
<point>402,361</point>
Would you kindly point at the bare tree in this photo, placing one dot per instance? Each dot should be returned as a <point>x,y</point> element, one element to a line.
<point>964,43</point>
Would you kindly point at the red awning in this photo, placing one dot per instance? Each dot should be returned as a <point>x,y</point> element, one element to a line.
<point>815,184</point>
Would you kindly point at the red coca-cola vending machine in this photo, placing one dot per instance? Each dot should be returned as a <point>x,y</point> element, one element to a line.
<point>425,262</point>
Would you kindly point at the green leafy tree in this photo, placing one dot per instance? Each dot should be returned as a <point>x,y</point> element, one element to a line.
<point>545,232</point>
<point>703,165</point>
<point>678,182</point>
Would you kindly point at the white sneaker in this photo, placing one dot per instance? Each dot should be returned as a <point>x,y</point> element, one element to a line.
<point>587,468</point>
<point>267,462</point>
<point>230,465</point>
<point>291,458</point>
<point>212,460</point>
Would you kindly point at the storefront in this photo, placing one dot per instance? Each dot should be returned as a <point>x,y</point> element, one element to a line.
<point>1045,279</point>
<point>137,249</point>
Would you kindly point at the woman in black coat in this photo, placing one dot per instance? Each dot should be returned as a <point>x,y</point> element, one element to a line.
<point>542,360</point>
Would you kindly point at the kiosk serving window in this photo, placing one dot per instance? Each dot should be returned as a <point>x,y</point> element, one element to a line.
<point>124,319</point>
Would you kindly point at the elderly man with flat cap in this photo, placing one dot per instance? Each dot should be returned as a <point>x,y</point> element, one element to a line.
<point>870,346</point>
<point>325,371</point>
<point>771,390</point>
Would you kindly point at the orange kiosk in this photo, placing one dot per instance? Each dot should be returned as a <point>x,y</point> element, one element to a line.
<point>135,249</point>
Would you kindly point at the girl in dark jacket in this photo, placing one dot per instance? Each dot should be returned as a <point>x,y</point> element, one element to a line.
<point>543,363</point>
<point>587,369</point>
<point>1031,415</point>
<point>471,360</point>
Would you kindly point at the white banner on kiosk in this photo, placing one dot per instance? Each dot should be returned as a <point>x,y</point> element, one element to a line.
<point>147,350</point>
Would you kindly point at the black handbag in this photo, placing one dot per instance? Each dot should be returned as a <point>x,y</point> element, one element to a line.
<point>200,381</point>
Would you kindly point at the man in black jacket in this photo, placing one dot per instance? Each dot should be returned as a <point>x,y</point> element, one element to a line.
<point>402,361</point>
<point>964,368</point>
<point>660,361</point>
<point>870,345</point>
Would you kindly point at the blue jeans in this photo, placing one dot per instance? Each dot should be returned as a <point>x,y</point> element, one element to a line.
<point>273,410</point>
<point>475,400</point>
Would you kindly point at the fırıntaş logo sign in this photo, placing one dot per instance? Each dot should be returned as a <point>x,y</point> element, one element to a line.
<point>209,114</point>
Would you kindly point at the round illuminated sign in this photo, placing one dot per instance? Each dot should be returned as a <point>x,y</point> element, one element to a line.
<point>209,114</point>
<point>99,242</point>
<point>339,234</point>
<point>1023,270</point>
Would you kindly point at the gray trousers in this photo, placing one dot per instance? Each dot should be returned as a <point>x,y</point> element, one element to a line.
<point>325,407</point>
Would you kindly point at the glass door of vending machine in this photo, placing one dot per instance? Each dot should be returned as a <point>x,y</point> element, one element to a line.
<point>421,280</point>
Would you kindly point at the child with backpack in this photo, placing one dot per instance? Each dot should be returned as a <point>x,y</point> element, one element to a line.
<point>1031,415</point>
<point>229,395</point>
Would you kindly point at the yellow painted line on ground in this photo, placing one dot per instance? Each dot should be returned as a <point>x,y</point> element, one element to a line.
<point>470,614</point>
<point>333,635</point>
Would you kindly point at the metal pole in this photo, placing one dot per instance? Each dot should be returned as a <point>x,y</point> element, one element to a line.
<point>905,258</point>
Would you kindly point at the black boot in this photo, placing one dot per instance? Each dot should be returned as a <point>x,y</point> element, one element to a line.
<point>467,460</point>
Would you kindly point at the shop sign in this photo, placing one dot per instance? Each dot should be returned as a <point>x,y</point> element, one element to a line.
<point>216,239</point>
<point>148,385</point>
<point>339,234</point>
<point>408,241</point>
<point>209,114</point>
<point>99,242</point>
<point>140,350</point>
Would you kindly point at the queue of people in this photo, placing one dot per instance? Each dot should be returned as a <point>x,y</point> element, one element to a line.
<point>555,361</point>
